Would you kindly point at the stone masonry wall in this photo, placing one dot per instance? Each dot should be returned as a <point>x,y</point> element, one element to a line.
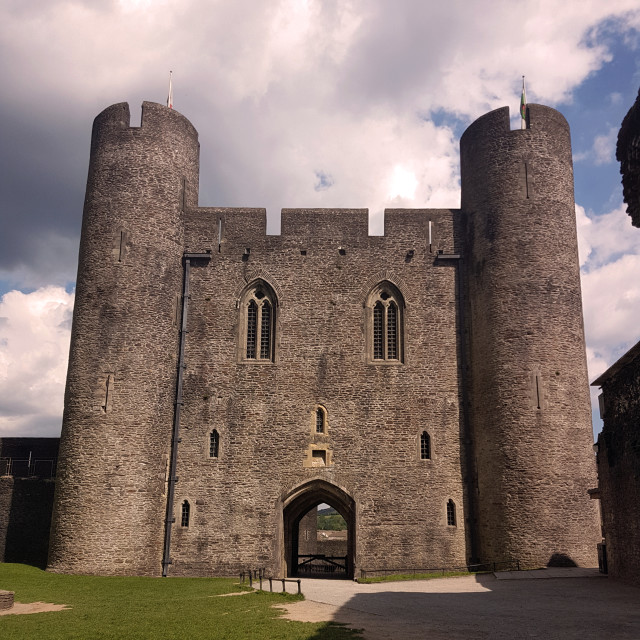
<point>619,471</point>
<point>322,268</point>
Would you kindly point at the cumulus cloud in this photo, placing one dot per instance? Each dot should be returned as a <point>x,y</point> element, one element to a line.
<point>609,249</point>
<point>605,238</point>
<point>603,150</point>
<point>279,91</point>
<point>298,103</point>
<point>35,329</point>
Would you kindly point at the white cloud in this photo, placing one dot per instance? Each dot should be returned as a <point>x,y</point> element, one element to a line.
<point>35,329</point>
<point>609,250</point>
<point>605,238</point>
<point>603,149</point>
<point>604,146</point>
<point>298,103</point>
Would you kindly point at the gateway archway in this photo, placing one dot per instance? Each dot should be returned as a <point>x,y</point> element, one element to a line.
<point>298,503</point>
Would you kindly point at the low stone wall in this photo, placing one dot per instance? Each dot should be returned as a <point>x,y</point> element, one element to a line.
<point>6,600</point>
<point>332,547</point>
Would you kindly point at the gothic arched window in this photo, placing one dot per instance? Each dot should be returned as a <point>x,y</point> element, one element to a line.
<point>321,420</point>
<point>258,322</point>
<point>385,309</point>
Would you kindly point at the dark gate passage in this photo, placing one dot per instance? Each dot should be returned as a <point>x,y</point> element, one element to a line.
<point>302,560</point>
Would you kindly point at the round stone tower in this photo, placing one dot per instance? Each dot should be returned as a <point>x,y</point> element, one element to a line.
<point>529,394</point>
<point>111,486</point>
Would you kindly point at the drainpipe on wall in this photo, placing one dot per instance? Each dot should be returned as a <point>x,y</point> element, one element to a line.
<point>175,440</point>
<point>469,444</point>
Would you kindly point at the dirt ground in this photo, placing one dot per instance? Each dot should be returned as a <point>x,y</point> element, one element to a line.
<point>32,607</point>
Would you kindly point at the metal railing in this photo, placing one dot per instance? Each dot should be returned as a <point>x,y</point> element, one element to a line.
<point>28,467</point>
<point>319,564</point>
<point>259,576</point>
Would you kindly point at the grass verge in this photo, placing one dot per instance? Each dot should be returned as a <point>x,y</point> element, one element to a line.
<point>105,608</point>
<point>398,577</point>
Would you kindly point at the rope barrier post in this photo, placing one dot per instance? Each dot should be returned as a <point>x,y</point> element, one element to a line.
<point>299,588</point>
<point>271,585</point>
<point>283,587</point>
<point>250,580</point>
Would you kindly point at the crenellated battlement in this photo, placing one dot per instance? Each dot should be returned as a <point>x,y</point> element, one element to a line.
<point>433,229</point>
<point>155,117</point>
<point>497,123</point>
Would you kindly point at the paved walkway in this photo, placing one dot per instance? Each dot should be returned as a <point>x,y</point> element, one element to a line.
<point>545,604</point>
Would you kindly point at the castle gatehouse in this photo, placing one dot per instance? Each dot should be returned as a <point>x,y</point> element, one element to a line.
<point>430,384</point>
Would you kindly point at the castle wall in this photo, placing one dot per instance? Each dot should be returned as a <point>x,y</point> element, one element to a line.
<point>529,394</point>
<point>619,466</point>
<point>308,540</point>
<point>25,519</point>
<point>375,412</point>
<point>120,394</point>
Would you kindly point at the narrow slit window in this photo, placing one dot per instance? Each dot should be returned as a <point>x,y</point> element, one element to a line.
<point>425,446</point>
<point>320,420</point>
<point>107,394</point>
<point>214,444</point>
<point>121,247</point>
<point>186,512</point>
<point>451,513</point>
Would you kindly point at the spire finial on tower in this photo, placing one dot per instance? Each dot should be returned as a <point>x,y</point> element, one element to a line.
<point>170,96</point>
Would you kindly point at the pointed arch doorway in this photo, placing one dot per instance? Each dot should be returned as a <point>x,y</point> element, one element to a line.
<point>297,504</point>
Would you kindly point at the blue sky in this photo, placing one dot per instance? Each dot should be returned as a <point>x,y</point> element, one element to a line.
<point>298,103</point>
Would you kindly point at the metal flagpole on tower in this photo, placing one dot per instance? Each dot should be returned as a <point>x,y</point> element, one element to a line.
<point>523,107</point>
<point>170,96</point>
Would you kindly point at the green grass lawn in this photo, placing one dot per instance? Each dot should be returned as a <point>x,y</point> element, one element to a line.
<point>399,577</point>
<point>163,608</point>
